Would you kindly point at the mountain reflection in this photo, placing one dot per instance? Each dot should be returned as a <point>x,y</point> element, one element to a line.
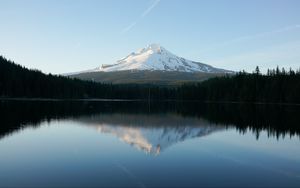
<point>151,133</point>
<point>154,127</point>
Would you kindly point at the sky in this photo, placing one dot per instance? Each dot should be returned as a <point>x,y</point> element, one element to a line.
<point>62,36</point>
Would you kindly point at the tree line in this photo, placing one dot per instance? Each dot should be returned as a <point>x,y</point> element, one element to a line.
<point>277,120</point>
<point>277,86</point>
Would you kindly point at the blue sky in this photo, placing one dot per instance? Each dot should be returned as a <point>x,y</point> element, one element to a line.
<point>73,35</point>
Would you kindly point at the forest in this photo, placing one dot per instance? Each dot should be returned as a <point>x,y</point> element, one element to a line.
<point>277,86</point>
<point>277,120</point>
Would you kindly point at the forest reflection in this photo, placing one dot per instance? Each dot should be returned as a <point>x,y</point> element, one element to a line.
<point>189,118</point>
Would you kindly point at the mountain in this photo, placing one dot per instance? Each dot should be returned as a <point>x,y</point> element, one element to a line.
<point>156,57</point>
<point>153,64</point>
<point>169,78</point>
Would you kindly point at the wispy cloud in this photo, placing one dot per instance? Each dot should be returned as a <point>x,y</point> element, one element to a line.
<point>266,34</point>
<point>149,9</point>
<point>286,55</point>
<point>144,14</point>
<point>77,45</point>
<point>129,27</point>
<point>252,37</point>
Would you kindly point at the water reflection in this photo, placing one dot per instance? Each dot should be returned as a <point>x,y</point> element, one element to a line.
<point>102,144</point>
<point>278,121</point>
<point>151,133</point>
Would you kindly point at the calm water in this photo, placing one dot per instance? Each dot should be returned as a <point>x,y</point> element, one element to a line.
<point>135,144</point>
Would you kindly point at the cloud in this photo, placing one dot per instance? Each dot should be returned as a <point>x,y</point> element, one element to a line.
<point>149,9</point>
<point>265,34</point>
<point>77,45</point>
<point>252,37</point>
<point>144,14</point>
<point>286,55</point>
<point>129,27</point>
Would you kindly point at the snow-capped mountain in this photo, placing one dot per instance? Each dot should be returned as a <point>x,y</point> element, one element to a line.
<point>151,65</point>
<point>155,57</point>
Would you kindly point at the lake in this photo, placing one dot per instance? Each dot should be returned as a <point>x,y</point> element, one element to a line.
<point>142,144</point>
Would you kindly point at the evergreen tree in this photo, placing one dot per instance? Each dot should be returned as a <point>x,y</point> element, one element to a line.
<point>277,86</point>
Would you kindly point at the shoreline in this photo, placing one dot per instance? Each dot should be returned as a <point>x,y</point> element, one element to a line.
<point>139,100</point>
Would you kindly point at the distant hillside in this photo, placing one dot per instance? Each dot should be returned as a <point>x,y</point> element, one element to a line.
<point>146,77</point>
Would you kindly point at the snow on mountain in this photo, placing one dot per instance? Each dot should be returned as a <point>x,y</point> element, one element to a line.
<point>155,57</point>
<point>153,140</point>
<point>151,133</point>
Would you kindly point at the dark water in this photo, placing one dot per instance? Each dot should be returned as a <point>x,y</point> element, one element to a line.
<point>137,144</point>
